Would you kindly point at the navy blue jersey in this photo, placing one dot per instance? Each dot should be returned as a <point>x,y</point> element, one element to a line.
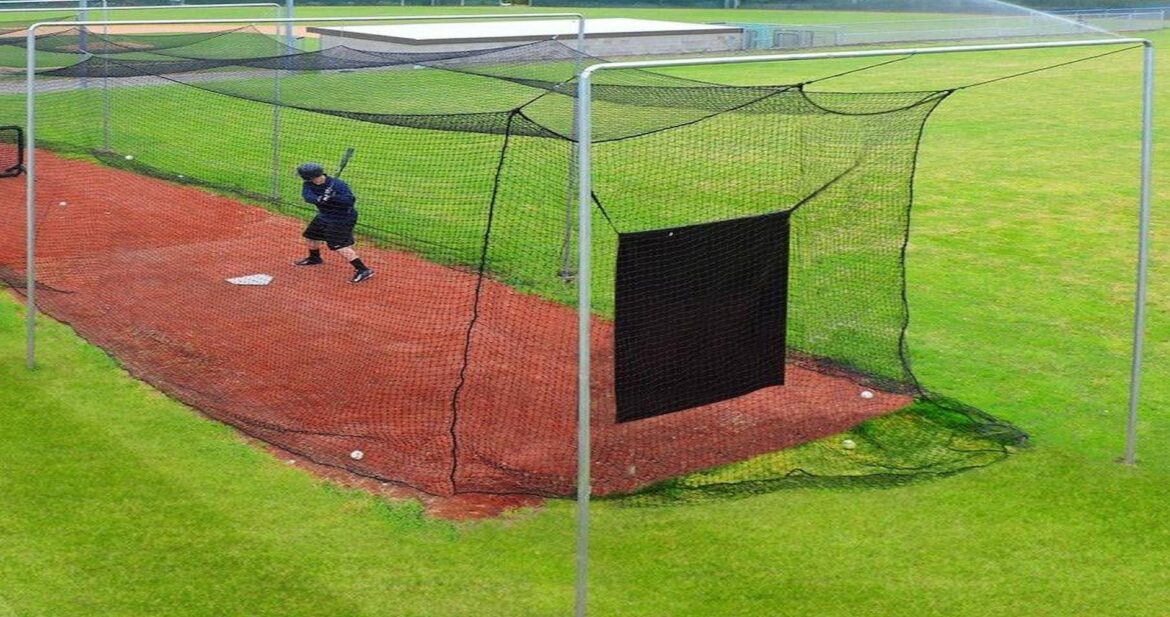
<point>333,198</point>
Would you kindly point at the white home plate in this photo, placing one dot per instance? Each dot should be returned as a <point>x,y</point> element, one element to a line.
<point>251,279</point>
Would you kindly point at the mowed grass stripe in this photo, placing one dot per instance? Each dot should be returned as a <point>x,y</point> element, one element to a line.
<point>135,505</point>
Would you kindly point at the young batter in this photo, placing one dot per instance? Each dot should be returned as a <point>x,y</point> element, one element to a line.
<point>335,220</point>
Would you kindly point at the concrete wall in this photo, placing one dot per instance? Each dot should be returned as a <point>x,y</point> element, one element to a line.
<point>597,46</point>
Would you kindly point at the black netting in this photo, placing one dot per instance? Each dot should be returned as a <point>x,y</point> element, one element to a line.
<point>244,42</point>
<point>13,29</point>
<point>454,369</point>
<point>11,151</point>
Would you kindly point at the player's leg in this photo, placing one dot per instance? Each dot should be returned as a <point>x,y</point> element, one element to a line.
<point>314,234</point>
<point>341,240</point>
<point>361,271</point>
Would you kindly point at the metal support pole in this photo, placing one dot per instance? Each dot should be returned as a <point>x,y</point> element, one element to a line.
<point>566,272</point>
<point>584,316</point>
<point>584,134</point>
<point>30,204</point>
<point>83,34</point>
<point>1139,302</point>
<point>276,119</point>
<point>289,35</point>
<point>107,140</point>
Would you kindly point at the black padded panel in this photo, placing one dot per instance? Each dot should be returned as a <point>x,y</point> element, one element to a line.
<point>700,314</point>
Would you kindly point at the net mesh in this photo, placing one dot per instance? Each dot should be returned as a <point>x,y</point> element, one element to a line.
<point>166,169</point>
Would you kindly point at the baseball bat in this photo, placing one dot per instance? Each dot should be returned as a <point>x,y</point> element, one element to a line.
<point>344,161</point>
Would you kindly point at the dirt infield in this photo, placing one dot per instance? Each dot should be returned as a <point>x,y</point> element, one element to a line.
<point>321,367</point>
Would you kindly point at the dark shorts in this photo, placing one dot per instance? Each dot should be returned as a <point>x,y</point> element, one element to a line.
<point>335,233</point>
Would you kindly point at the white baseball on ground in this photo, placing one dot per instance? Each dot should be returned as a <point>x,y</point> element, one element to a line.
<point>866,394</point>
<point>357,455</point>
<point>848,444</point>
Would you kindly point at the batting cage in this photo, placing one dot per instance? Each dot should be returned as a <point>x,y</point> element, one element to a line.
<point>748,282</point>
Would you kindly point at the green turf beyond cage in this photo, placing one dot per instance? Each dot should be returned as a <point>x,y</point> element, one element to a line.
<point>749,285</point>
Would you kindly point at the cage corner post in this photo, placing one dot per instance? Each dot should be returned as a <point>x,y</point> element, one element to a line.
<point>584,338</point>
<point>1139,311</point>
<point>30,197</point>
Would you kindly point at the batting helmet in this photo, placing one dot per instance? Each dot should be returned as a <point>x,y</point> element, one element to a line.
<point>308,171</point>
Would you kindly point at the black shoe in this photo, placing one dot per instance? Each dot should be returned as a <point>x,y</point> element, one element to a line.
<point>361,275</point>
<point>309,261</point>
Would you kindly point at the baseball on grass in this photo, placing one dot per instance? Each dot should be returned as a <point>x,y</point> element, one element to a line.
<point>357,455</point>
<point>866,394</point>
<point>848,444</point>
<point>129,157</point>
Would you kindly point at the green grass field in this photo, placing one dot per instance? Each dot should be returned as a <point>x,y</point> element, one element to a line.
<point>115,500</point>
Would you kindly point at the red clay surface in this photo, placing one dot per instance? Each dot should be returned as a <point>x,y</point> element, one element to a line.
<point>321,367</point>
